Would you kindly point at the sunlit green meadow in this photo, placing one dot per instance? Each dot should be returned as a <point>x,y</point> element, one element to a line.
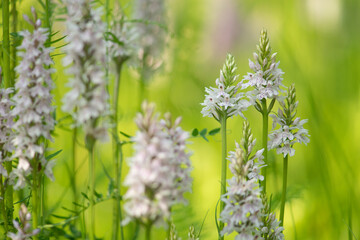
<point>318,44</point>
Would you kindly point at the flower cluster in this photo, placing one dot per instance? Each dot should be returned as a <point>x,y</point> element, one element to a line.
<point>87,99</point>
<point>191,233</point>
<point>243,204</point>
<point>225,101</point>
<point>267,76</point>
<point>33,102</point>
<point>6,124</point>
<point>121,39</point>
<point>151,35</point>
<point>160,169</point>
<point>24,227</point>
<point>291,129</point>
<point>271,229</point>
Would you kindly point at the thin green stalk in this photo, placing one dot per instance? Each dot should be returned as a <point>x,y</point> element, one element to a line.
<point>6,44</point>
<point>73,177</point>
<point>118,159</point>
<point>14,30</point>
<point>8,83</point>
<point>35,197</point>
<point>142,86</point>
<point>142,90</point>
<point>265,115</point>
<point>283,196</point>
<point>42,200</point>
<point>148,232</point>
<point>223,166</point>
<point>91,149</point>
<point>350,233</point>
<point>2,205</point>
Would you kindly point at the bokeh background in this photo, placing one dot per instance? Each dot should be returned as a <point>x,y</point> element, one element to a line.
<point>318,44</point>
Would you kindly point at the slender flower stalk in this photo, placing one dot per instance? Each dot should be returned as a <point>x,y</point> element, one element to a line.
<point>221,103</point>
<point>120,50</point>
<point>290,132</point>
<point>13,30</point>
<point>87,99</point>
<point>266,80</point>
<point>159,172</point>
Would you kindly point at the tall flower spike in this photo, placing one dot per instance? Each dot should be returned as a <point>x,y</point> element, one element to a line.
<point>266,78</point>
<point>33,101</point>
<point>6,124</point>
<point>271,229</point>
<point>23,227</point>
<point>160,169</point>
<point>121,39</point>
<point>243,204</point>
<point>291,129</point>
<point>151,34</point>
<point>86,52</point>
<point>225,101</point>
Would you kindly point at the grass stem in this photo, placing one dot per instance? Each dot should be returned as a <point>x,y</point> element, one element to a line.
<point>73,177</point>
<point>91,147</point>
<point>2,205</point>
<point>283,196</point>
<point>35,196</point>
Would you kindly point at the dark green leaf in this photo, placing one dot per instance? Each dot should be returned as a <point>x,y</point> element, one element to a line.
<point>195,132</point>
<point>53,155</point>
<point>85,196</point>
<point>125,135</point>
<point>214,131</point>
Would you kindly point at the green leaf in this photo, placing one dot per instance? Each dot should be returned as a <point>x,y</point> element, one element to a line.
<point>203,134</point>
<point>125,135</point>
<point>69,210</point>
<point>85,196</point>
<point>214,131</point>
<point>58,216</point>
<point>98,195</point>
<point>195,132</point>
<point>53,155</point>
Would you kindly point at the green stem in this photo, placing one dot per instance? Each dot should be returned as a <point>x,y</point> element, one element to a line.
<point>14,30</point>
<point>2,203</point>
<point>73,177</point>
<point>118,159</point>
<point>43,200</point>
<point>142,91</point>
<point>350,233</point>
<point>92,188</point>
<point>265,141</point>
<point>8,83</point>
<point>223,167</point>
<point>283,196</point>
<point>6,44</point>
<point>148,232</point>
<point>35,196</point>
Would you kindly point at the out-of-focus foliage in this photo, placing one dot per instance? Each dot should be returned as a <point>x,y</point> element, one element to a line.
<point>318,45</point>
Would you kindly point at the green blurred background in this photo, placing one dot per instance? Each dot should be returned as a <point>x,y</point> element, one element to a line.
<point>318,44</point>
